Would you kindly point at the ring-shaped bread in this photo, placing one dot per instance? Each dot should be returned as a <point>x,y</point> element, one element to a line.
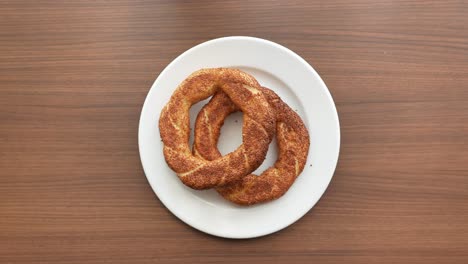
<point>257,133</point>
<point>292,140</point>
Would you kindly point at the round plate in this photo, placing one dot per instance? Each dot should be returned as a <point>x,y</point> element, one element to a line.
<point>292,78</point>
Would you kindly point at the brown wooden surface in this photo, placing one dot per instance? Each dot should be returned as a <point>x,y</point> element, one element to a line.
<point>73,78</point>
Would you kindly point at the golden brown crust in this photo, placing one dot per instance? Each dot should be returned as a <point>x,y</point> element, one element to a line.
<point>293,144</point>
<point>174,125</point>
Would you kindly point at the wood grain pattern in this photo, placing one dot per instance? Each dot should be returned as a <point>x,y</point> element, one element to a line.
<point>73,78</point>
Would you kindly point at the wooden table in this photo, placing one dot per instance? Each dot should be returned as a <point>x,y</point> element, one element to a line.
<point>73,78</point>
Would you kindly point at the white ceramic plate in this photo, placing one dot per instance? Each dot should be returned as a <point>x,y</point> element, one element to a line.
<point>298,84</point>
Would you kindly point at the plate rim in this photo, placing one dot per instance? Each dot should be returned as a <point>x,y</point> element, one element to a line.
<point>306,209</point>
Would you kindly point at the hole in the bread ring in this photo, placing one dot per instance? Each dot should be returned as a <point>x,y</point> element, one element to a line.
<point>231,138</point>
<point>231,133</point>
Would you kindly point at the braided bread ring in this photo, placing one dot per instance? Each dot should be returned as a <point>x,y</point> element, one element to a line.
<point>293,144</point>
<point>258,128</point>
